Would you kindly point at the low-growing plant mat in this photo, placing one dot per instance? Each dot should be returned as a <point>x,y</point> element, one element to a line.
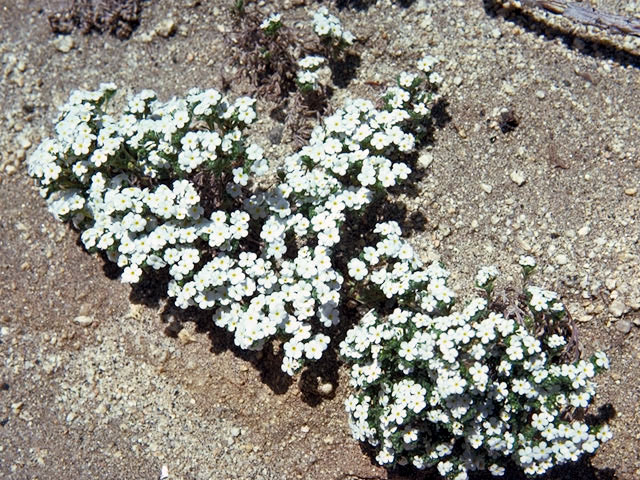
<point>98,383</point>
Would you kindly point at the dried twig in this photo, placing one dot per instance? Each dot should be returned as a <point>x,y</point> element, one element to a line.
<point>585,15</point>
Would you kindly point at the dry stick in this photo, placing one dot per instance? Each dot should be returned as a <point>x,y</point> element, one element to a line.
<point>588,16</point>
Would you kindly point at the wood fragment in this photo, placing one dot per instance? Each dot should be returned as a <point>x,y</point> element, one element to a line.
<point>585,15</point>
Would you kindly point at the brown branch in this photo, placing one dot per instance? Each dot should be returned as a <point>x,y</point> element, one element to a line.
<point>578,13</point>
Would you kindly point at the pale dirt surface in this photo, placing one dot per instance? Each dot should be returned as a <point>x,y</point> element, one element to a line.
<point>127,394</point>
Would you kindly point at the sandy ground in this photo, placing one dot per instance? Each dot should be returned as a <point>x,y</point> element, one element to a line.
<point>140,386</point>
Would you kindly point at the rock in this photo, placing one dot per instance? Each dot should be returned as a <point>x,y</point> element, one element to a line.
<point>166,28</point>
<point>630,191</point>
<point>517,178</point>
<point>540,94</point>
<point>235,432</point>
<point>425,159</point>
<point>64,43</point>
<point>618,308</point>
<point>24,142</point>
<point>486,188</point>
<point>83,320</point>
<point>146,37</point>
<point>584,231</point>
<point>325,389</point>
<point>562,259</point>
<point>623,326</point>
<point>275,134</point>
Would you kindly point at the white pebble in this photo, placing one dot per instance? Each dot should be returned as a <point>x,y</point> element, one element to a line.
<point>83,320</point>
<point>517,178</point>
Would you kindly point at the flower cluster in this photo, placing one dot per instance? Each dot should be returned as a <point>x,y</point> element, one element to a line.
<point>307,76</point>
<point>294,288</point>
<point>329,29</point>
<point>271,24</point>
<point>123,181</point>
<point>261,260</point>
<point>464,390</point>
<point>168,186</point>
<point>528,264</point>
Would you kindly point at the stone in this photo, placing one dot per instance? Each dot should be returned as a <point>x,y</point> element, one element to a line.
<point>64,43</point>
<point>83,320</point>
<point>618,308</point>
<point>540,94</point>
<point>623,326</point>
<point>562,259</point>
<point>518,178</point>
<point>166,28</point>
<point>630,191</point>
<point>584,231</point>
<point>325,389</point>
<point>145,37</point>
<point>486,188</point>
<point>425,159</point>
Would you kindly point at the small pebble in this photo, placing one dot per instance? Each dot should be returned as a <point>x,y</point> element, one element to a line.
<point>325,389</point>
<point>584,231</point>
<point>235,432</point>
<point>540,94</point>
<point>630,191</point>
<point>166,28</point>
<point>64,43</point>
<point>623,326</point>
<point>83,320</point>
<point>618,308</point>
<point>425,159</point>
<point>486,188</point>
<point>517,178</point>
<point>562,259</point>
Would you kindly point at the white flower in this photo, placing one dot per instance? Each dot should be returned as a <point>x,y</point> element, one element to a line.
<point>357,269</point>
<point>131,274</point>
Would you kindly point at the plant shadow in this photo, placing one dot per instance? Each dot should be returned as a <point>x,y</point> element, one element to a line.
<point>582,470</point>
